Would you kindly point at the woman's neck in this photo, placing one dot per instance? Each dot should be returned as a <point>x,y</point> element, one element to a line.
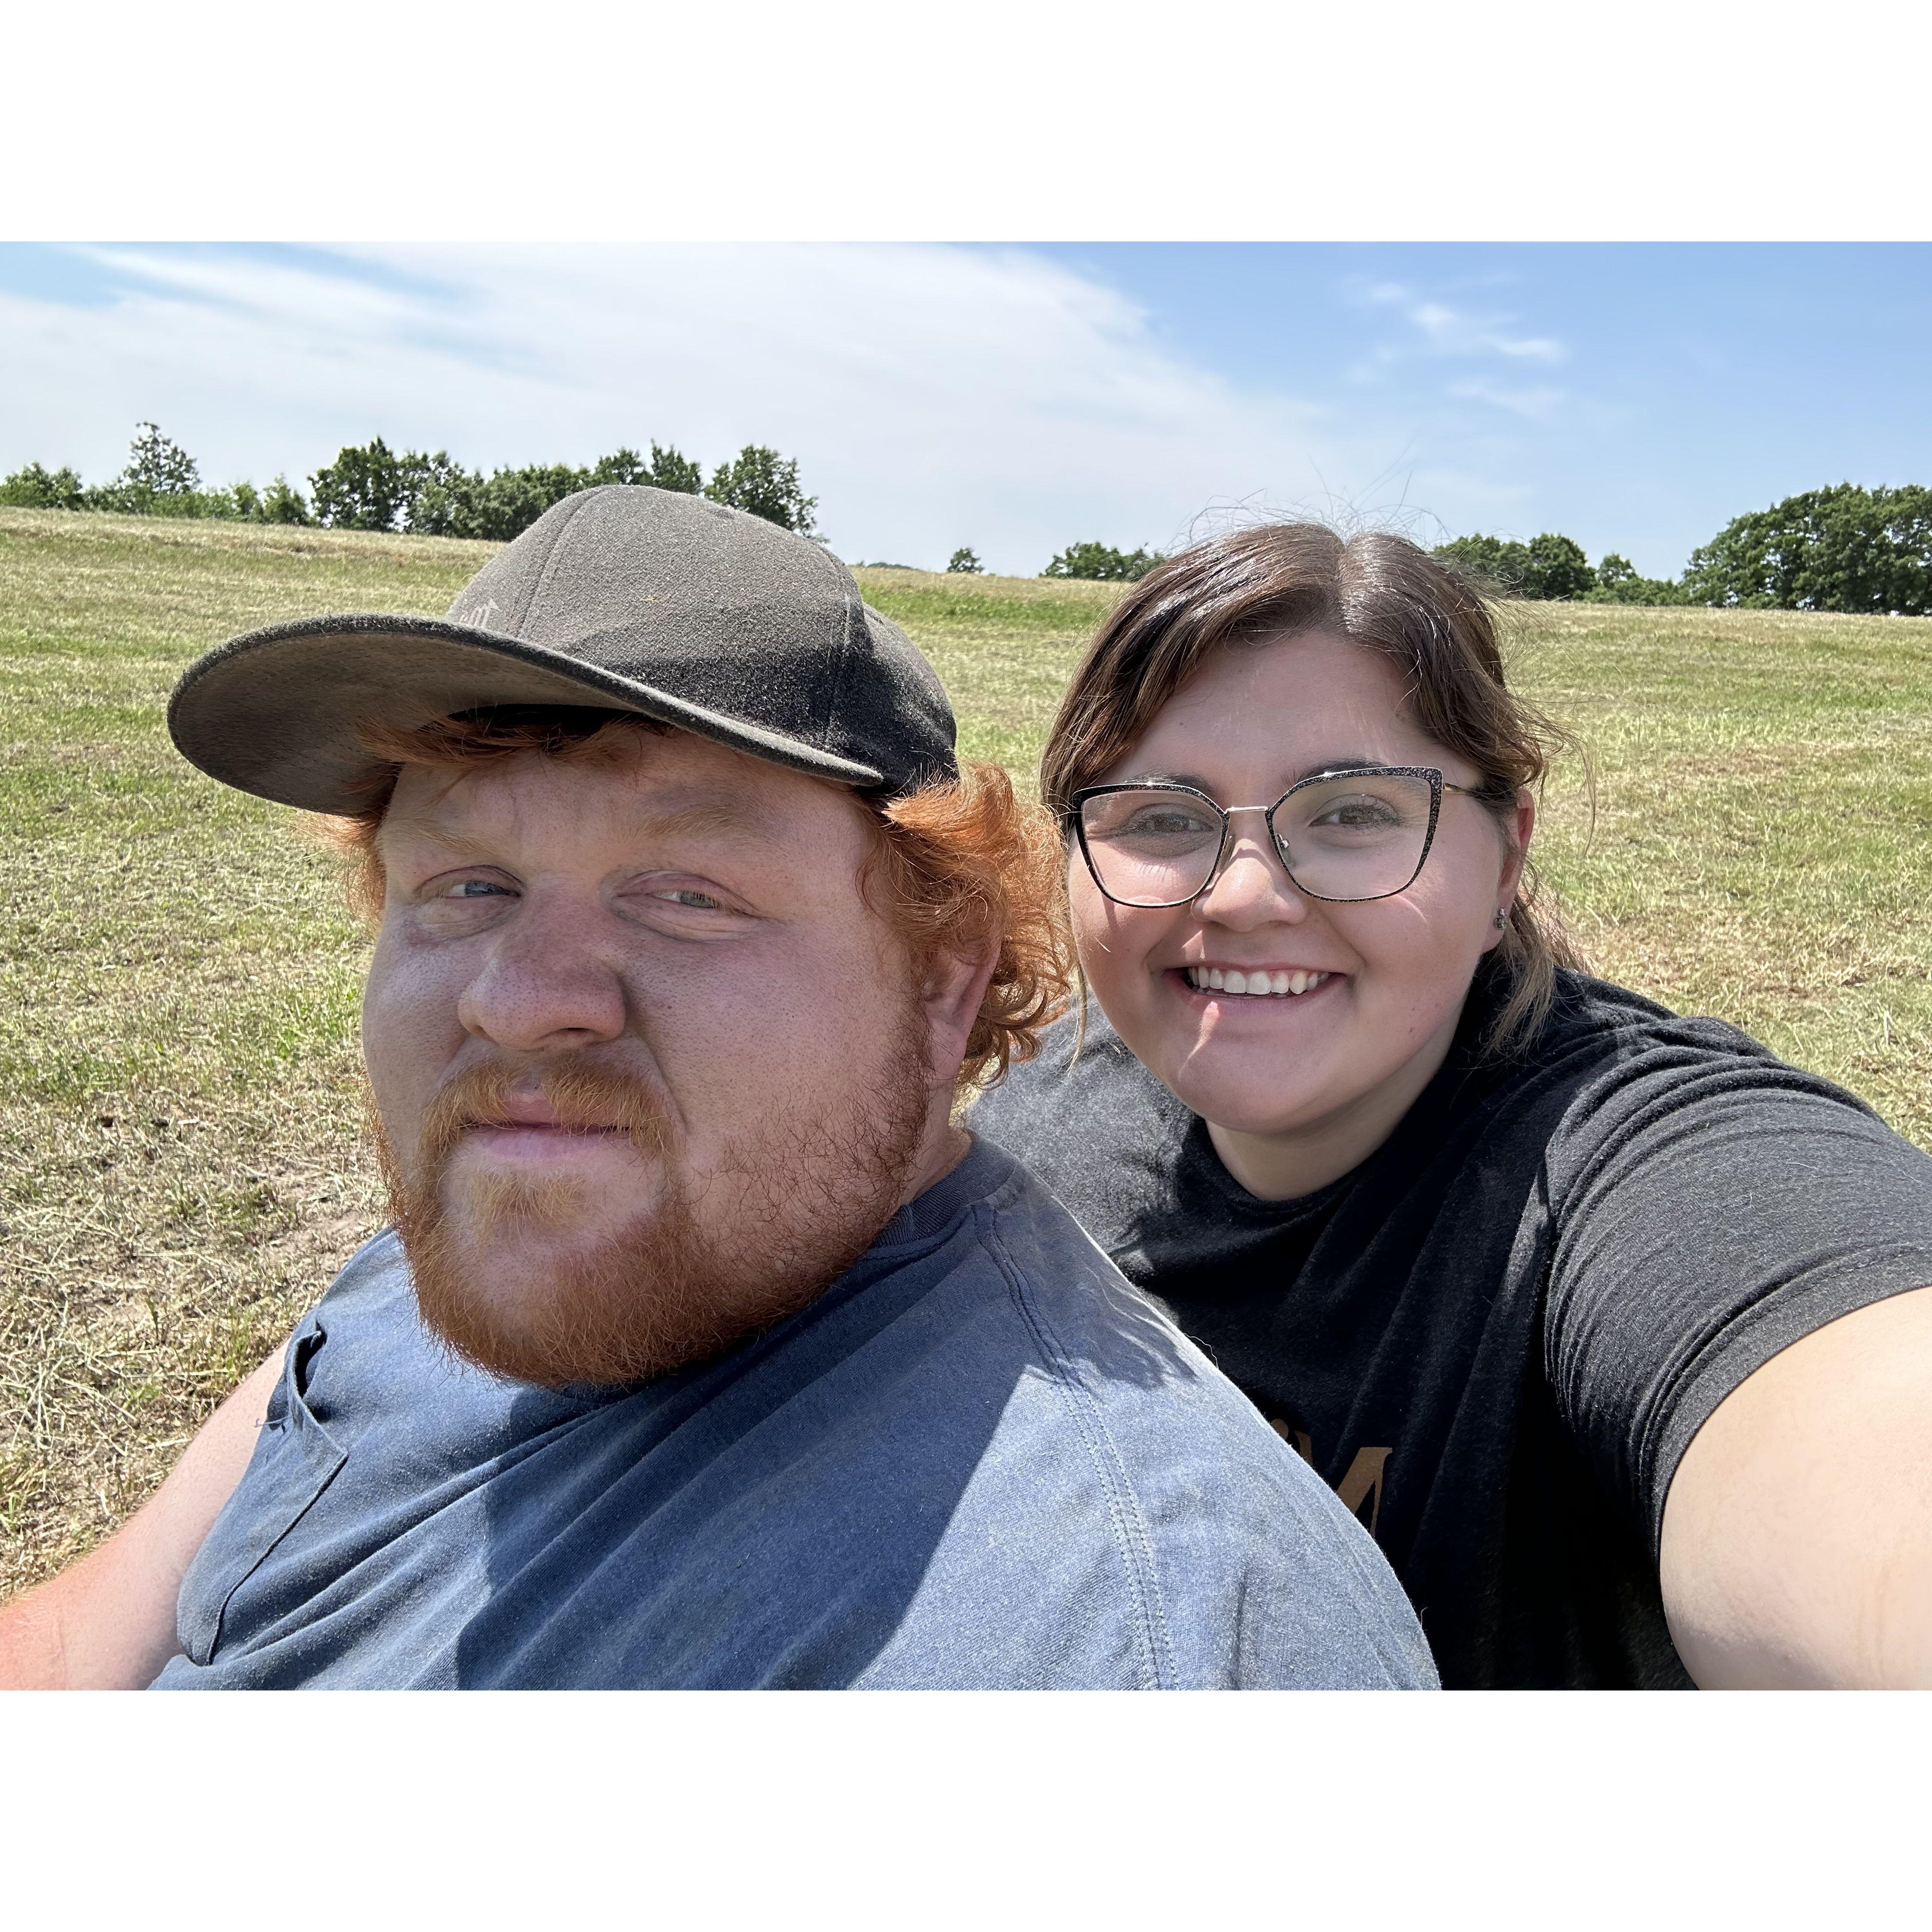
<point>1285,1166</point>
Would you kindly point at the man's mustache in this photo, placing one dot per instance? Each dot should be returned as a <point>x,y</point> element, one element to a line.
<point>580,1093</point>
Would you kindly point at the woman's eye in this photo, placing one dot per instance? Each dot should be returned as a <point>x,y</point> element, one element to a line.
<point>1167,824</point>
<point>476,888</point>
<point>1359,812</point>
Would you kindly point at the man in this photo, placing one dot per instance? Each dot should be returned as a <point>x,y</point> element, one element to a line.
<point>705,1350</point>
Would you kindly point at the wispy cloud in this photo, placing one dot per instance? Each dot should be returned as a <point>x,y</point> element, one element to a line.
<point>1446,331</point>
<point>1538,403</point>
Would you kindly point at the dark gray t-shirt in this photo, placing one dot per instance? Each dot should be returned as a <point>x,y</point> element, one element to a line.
<point>979,1459</point>
<point>1497,1336</point>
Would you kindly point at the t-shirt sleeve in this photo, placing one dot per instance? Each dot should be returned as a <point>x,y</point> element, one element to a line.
<point>1710,1207</point>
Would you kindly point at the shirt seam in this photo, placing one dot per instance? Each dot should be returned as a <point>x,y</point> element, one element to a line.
<point>1123,1512</point>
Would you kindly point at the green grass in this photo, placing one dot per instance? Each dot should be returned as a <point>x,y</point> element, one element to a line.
<point>183,1159</point>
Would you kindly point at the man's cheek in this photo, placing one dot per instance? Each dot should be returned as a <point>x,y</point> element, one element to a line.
<point>409,1033</point>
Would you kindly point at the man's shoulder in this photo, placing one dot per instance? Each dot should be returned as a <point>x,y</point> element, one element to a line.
<point>1123,1484</point>
<point>1164,1403</point>
<point>1027,1299</point>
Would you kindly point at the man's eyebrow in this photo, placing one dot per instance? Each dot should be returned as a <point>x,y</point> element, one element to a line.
<point>702,816</point>
<point>722,814</point>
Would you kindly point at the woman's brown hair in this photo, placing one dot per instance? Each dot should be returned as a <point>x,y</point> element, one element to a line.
<point>1387,595</point>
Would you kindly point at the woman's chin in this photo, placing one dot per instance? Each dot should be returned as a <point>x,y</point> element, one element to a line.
<point>1244,1100</point>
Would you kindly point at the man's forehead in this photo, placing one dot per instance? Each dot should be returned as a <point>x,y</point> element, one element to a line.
<point>677,783</point>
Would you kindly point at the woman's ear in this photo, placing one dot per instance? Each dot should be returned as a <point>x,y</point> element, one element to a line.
<point>1518,829</point>
<point>1524,829</point>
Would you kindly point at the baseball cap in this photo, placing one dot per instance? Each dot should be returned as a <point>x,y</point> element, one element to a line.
<point>636,599</point>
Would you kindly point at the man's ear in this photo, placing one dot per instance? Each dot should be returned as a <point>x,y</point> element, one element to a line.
<point>956,986</point>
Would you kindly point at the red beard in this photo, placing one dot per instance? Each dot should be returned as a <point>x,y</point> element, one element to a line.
<point>790,1210</point>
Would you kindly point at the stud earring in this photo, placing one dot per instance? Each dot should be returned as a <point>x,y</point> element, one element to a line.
<point>1502,919</point>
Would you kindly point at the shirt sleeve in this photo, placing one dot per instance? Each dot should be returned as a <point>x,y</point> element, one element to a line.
<point>1709,1207</point>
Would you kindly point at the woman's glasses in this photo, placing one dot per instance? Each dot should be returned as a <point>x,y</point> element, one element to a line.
<point>1343,836</point>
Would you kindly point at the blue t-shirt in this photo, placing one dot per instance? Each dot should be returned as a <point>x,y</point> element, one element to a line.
<point>980,1459</point>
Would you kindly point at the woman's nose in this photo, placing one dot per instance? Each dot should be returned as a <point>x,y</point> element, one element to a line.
<point>1253,887</point>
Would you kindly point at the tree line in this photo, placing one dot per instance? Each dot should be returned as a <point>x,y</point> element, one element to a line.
<point>370,487</point>
<point>1844,548</point>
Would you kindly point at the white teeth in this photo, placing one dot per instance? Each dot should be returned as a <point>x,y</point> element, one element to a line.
<point>1216,979</point>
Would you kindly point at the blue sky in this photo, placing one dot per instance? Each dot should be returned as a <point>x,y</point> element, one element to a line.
<point>1016,399</point>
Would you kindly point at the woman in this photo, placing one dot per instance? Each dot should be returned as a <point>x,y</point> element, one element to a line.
<point>1514,1256</point>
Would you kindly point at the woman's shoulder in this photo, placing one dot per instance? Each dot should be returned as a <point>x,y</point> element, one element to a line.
<point>1598,1026</point>
<point>1629,1073</point>
<point>1088,1120</point>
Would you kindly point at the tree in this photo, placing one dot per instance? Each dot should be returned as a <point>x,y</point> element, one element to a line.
<point>1097,561</point>
<point>764,482</point>
<point>671,470</point>
<point>1557,568</point>
<point>366,488</point>
<point>31,487</point>
<point>1490,560</point>
<point>158,466</point>
<point>282,502</point>
<point>1844,548</point>
<point>1618,583</point>
<point>966,562</point>
<point>1548,566</point>
<point>439,495</point>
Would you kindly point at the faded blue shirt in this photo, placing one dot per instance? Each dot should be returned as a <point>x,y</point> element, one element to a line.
<point>979,1459</point>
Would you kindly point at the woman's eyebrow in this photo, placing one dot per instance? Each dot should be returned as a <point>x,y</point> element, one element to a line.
<point>1349,761</point>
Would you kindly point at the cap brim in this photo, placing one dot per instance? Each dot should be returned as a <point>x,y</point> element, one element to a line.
<point>275,711</point>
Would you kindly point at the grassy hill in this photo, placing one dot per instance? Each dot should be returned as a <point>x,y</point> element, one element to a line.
<point>182,1160</point>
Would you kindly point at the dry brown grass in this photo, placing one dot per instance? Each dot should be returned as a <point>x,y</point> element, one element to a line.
<point>183,1166</point>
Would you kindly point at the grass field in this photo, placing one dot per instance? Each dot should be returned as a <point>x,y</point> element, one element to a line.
<point>183,1163</point>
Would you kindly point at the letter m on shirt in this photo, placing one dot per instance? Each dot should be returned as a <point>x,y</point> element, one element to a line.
<point>1361,1481</point>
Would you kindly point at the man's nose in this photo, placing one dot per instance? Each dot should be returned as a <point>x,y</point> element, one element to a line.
<point>1252,888</point>
<point>546,987</point>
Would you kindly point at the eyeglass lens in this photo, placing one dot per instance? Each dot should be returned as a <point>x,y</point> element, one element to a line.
<point>1359,836</point>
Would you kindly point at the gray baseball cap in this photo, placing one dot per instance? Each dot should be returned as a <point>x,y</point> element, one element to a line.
<point>640,600</point>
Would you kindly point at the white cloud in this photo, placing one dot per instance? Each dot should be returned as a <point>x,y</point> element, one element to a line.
<point>1538,403</point>
<point>934,396</point>
<point>1451,331</point>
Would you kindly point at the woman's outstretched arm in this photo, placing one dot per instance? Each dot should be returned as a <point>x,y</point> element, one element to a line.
<point>1797,1543</point>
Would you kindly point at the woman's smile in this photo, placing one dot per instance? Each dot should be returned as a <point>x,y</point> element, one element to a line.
<point>1252,983</point>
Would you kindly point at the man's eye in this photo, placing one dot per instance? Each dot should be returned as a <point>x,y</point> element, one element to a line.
<point>686,896</point>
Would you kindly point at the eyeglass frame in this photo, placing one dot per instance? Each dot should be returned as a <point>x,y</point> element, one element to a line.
<point>1076,817</point>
